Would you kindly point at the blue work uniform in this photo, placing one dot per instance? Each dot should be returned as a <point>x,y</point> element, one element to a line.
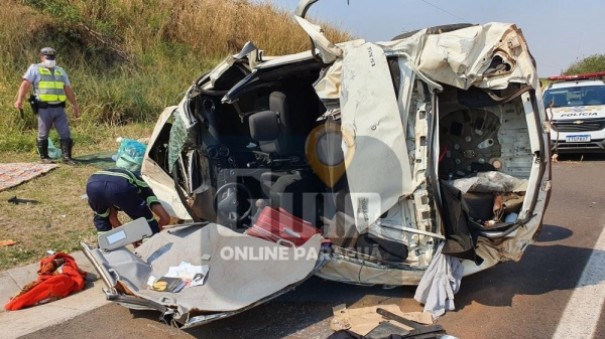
<point>125,191</point>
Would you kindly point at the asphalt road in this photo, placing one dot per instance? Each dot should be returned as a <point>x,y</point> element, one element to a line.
<point>537,297</point>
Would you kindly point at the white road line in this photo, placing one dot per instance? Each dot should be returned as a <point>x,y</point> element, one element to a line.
<point>583,309</point>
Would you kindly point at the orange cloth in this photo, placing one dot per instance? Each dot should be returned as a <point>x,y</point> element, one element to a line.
<point>58,277</point>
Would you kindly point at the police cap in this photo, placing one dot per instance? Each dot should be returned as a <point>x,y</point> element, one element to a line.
<point>48,52</point>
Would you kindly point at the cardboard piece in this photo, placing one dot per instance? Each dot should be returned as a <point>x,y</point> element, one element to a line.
<point>365,319</point>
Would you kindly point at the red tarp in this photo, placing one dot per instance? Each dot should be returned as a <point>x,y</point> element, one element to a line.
<point>58,277</point>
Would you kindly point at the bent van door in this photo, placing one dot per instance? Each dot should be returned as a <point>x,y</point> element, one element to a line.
<point>242,271</point>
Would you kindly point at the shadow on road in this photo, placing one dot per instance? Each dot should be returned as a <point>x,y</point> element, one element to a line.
<point>543,269</point>
<point>564,157</point>
<point>308,309</point>
<point>553,233</point>
<point>294,312</point>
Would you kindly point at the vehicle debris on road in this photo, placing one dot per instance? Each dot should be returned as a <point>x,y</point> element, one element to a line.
<point>362,320</point>
<point>383,321</point>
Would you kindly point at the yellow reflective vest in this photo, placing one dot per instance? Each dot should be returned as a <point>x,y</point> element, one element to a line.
<point>51,87</point>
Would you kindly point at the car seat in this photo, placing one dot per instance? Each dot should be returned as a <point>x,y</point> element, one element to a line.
<point>281,132</point>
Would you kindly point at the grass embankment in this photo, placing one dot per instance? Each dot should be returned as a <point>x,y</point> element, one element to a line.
<point>127,60</point>
<point>59,219</point>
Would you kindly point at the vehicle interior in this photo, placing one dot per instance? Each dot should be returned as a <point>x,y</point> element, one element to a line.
<point>254,147</point>
<point>485,160</point>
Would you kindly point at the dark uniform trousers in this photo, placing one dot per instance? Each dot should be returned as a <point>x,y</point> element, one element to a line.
<point>125,191</point>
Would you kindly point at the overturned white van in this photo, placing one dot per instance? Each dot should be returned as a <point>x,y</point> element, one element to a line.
<point>354,162</point>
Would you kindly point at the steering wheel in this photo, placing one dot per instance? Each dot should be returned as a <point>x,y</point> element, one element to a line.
<point>232,202</point>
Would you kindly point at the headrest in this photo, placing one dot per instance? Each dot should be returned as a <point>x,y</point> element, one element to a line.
<point>264,126</point>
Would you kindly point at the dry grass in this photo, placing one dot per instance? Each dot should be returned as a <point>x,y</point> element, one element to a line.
<point>58,221</point>
<point>202,24</point>
<point>128,59</point>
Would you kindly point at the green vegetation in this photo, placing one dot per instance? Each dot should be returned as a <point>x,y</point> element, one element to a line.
<point>593,63</point>
<point>60,219</point>
<point>127,60</point>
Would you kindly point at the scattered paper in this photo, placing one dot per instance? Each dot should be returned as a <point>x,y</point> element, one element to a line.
<point>178,277</point>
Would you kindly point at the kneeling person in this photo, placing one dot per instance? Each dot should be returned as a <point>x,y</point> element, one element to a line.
<point>122,189</point>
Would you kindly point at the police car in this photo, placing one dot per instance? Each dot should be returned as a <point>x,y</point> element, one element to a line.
<point>576,107</point>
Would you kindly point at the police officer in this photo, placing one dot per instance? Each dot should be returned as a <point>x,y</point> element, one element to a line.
<point>51,88</point>
<point>123,189</point>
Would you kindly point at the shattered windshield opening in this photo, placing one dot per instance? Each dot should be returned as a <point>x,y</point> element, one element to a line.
<point>179,135</point>
<point>185,162</point>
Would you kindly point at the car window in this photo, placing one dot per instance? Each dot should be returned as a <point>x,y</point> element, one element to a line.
<point>575,96</point>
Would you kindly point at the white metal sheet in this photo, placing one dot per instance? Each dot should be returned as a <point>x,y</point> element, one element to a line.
<point>378,168</point>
